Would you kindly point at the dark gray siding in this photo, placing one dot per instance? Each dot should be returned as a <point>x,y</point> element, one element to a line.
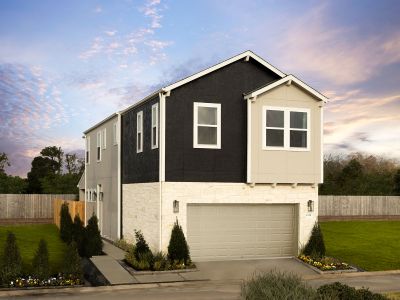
<point>144,166</point>
<point>225,86</point>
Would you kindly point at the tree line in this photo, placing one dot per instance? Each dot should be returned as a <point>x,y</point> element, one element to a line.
<point>360,174</point>
<point>52,172</point>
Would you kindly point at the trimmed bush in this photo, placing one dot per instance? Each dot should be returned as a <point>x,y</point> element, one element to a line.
<point>178,249</point>
<point>66,226</point>
<point>11,263</point>
<point>72,262</point>
<point>40,263</point>
<point>78,235</point>
<point>276,286</point>
<point>124,245</point>
<point>94,244</point>
<point>341,291</point>
<point>141,248</point>
<point>315,246</point>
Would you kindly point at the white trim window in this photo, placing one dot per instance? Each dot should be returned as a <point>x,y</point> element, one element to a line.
<point>207,125</point>
<point>88,149</point>
<point>285,128</point>
<point>98,146</point>
<point>115,134</point>
<point>139,132</point>
<point>104,138</point>
<point>154,126</point>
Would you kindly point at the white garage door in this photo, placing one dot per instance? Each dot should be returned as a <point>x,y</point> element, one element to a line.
<point>241,231</point>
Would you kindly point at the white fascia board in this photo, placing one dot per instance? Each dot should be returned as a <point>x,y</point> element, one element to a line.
<point>223,64</point>
<point>279,82</point>
<point>140,101</point>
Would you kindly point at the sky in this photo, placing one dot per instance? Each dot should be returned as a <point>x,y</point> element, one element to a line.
<point>65,65</point>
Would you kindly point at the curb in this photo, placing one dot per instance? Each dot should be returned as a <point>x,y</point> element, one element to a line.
<point>350,275</point>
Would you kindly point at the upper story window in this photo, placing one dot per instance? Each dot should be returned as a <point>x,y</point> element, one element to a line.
<point>87,149</point>
<point>207,125</point>
<point>115,134</point>
<point>98,146</point>
<point>154,126</point>
<point>139,132</point>
<point>104,139</point>
<point>286,128</point>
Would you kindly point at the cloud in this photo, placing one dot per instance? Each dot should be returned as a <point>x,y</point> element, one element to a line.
<point>364,123</point>
<point>30,104</point>
<point>335,53</point>
<point>98,9</point>
<point>138,44</point>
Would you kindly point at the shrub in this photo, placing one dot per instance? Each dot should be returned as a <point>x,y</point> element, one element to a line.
<point>124,245</point>
<point>344,292</point>
<point>66,226</point>
<point>40,263</point>
<point>276,286</point>
<point>94,244</point>
<point>11,264</point>
<point>78,234</point>
<point>178,248</point>
<point>141,245</point>
<point>160,262</point>
<point>72,262</point>
<point>315,246</point>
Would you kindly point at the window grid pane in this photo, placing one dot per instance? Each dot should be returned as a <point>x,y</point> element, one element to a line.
<point>298,120</point>
<point>207,135</point>
<point>275,137</point>
<point>275,118</point>
<point>207,116</point>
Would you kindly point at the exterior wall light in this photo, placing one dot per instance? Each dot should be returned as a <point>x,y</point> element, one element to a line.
<point>310,205</point>
<point>176,206</point>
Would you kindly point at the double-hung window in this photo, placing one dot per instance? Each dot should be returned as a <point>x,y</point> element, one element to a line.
<point>154,126</point>
<point>207,125</point>
<point>88,149</point>
<point>286,128</point>
<point>104,139</point>
<point>139,132</point>
<point>98,145</point>
<point>115,134</point>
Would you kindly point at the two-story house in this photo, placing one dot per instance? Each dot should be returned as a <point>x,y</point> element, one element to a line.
<point>234,153</point>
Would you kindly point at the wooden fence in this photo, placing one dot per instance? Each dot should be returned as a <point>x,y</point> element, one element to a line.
<point>75,208</point>
<point>359,207</point>
<point>29,208</point>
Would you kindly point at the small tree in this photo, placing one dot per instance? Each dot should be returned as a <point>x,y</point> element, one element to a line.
<point>40,263</point>
<point>11,264</point>
<point>315,245</point>
<point>178,248</point>
<point>66,226</point>
<point>78,235</point>
<point>72,262</point>
<point>94,244</point>
<point>142,248</point>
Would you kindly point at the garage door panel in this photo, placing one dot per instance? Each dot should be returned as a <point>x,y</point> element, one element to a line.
<point>236,231</point>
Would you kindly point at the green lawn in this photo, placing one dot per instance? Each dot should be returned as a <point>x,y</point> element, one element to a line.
<point>370,245</point>
<point>28,237</point>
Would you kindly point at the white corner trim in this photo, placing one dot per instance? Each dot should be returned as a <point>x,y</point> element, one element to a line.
<point>223,64</point>
<point>249,101</point>
<point>322,145</point>
<point>85,222</point>
<point>162,141</point>
<point>289,78</point>
<point>119,177</point>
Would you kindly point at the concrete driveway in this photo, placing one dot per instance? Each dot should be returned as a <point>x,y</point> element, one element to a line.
<point>243,269</point>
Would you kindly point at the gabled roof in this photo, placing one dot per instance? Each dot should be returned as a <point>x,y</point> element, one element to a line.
<point>100,123</point>
<point>81,183</point>
<point>245,55</point>
<point>289,78</point>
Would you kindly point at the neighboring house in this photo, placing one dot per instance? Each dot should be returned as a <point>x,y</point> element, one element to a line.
<point>101,175</point>
<point>234,153</point>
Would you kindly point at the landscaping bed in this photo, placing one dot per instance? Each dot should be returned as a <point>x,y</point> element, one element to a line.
<point>140,259</point>
<point>369,245</point>
<point>326,265</point>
